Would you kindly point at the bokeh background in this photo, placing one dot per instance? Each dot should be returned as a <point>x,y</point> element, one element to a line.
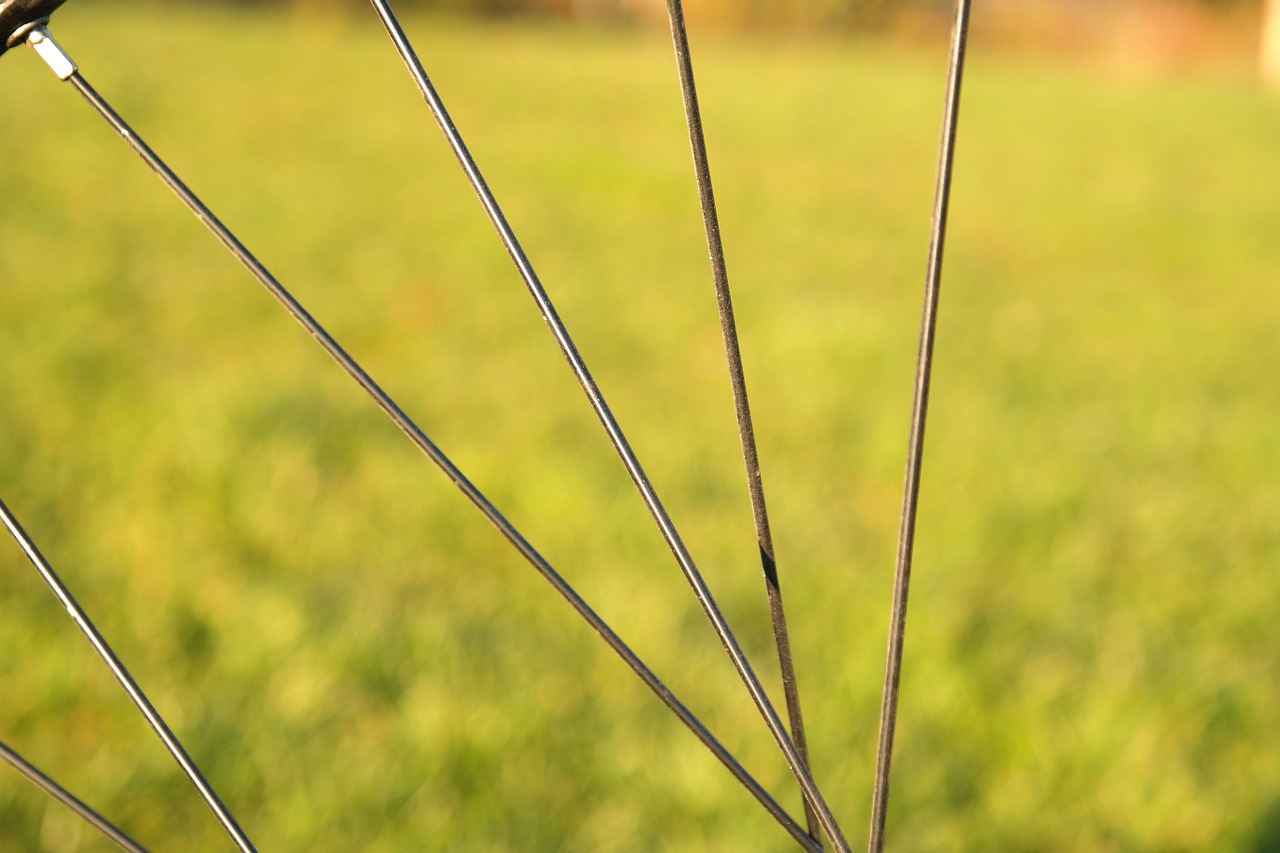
<point>359,662</point>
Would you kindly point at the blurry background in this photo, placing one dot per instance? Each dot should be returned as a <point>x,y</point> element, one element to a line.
<point>359,662</point>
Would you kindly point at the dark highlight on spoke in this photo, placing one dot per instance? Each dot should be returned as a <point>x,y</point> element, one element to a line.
<point>737,378</point>
<point>428,448</point>
<point>139,699</point>
<point>29,772</point>
<point>915,453</point>
<point>758,695</point>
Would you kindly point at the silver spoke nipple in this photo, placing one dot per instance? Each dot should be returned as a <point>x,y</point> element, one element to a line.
<point>51,52</point>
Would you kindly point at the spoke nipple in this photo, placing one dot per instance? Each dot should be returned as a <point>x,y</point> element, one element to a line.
<point>51,52</point>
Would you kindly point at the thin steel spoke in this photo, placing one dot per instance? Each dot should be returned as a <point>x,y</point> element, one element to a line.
<point>68,71</point>
<point>139,699</point>
<point>737,378</point>
<point>610,423</point>
<point>62,795</point>
<point>915,452</point>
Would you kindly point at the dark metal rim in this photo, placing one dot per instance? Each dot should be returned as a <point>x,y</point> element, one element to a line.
<point>19,17</point>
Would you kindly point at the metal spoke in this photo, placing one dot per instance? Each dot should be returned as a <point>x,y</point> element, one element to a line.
<point>139,699</point>
<point>915,453</point>
<point>67,70</point>
<point>737,379</point>
<point>610,423</point>
<point>62,795</point>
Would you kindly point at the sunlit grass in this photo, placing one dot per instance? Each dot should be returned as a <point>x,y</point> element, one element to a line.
<point>358,660</point>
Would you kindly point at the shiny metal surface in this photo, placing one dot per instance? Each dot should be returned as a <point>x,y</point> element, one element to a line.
<point>51,52</point>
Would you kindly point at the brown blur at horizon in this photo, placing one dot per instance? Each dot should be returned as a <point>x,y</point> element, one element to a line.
<point>1128,36</point>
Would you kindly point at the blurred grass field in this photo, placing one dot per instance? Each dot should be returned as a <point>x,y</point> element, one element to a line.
<point>359,662</point>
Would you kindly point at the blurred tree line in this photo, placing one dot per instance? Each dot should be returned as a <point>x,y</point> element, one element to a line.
<point>733,12</point>
<point>823,15</point>
<point>812,13</point>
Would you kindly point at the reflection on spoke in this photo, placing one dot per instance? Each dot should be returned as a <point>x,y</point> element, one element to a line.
<point>737,378</point>
<point>915,453</point>
<point>139,699</point>
<point>609,422</point>
<point>62,795</point>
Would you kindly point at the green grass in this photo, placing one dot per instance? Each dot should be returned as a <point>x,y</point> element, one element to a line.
<point>357,659</point>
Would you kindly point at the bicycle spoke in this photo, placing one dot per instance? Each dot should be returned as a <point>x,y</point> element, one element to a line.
<point>915,452</point>
<point>139,699</point>
<point>67,70</point>
<point>798,768</point>
<point>62,795</point>
<point>737,379</point>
